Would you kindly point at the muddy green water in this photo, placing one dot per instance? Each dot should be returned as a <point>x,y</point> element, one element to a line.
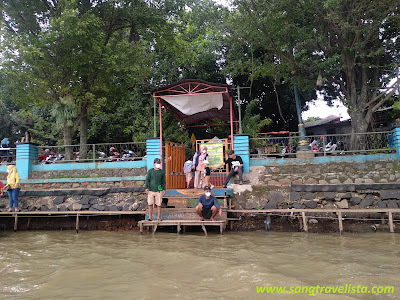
<point>125,265</point>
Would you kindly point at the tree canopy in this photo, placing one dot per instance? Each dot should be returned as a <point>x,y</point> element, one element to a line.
<point>90,66</point>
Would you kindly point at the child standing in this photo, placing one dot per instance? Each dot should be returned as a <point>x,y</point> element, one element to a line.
<point>207,174</point>
<point>187,170</point>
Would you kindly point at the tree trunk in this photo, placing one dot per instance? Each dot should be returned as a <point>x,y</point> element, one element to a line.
<point>359,125</point>
<point>69,151</point>
<point>83,122</point>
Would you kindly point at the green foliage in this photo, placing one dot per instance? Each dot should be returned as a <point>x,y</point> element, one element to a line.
<point>312,119</point>
<point>252,123</point>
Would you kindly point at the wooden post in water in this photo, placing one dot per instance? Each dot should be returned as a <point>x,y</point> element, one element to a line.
<point>15,222</point>
<point>77,223</point>
<point>391,228</point>
<point>178,228</point>
<point>339,214</point>
<point>28,223</point>
<point>204,229</point>
<point>305,226</point>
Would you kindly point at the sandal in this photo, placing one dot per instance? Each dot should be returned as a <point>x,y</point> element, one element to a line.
<point>10,210</point>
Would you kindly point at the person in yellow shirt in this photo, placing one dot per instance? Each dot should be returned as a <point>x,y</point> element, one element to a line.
<point>13,182</point>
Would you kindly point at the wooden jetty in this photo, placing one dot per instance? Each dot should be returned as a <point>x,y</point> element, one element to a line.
<point>338,212</point>
<point>183,217</point>
<point>184,223</point>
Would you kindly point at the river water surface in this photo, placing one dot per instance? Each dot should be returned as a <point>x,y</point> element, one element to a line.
<point>125,265</point>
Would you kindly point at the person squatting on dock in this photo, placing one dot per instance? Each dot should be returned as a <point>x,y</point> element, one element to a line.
<point>207,206</point>
<point>155,188</point>
<point>235,164</point>
<point>13,190</point>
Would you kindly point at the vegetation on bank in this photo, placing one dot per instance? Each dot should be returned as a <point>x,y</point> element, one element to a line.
<point>82,71</point>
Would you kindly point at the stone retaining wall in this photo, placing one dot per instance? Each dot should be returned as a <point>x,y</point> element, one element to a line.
<point>332,173</point>
<point>89,173</point>
<point>109,202</point>
<point>82,185</point>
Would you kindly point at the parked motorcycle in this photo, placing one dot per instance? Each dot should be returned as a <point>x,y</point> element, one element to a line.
<point>114,155</point>
<point>128,155</point>
<point>6,155</point>
<point>333,148</point>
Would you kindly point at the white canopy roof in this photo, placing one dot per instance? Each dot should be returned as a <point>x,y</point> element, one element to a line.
<point>191,104</point>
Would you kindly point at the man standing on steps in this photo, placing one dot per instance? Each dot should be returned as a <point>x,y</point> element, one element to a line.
<point>155,188</point>
<point>207,207</point>
<point>235,164</point>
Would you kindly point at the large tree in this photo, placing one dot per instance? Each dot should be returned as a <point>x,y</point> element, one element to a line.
<point>351,46</point>
<point>96,52</point>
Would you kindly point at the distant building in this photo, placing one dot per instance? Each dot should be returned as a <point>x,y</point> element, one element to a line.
<point>327,126</point>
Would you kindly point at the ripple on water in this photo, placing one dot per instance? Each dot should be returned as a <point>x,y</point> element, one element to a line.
<point>125,265</point>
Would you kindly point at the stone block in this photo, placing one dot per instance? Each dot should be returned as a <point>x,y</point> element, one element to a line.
<point>44,208</point>
<point>385,194</point>
<point>84,201</point>
<point>355,200</point>
<point>342,204</point>
<point>276,196</point>
<point>348,181</point>
<point>239,189</point>
<point>114,208</point>
<point>311,181</point>
<point>298,205</point>
<point>251,205</point>
<point>311,204</point>
<point>393,204</point>
<point>98,207</point>
<point>58,200</point>
<point>271,205</point>
<point>382,204</point>
<point>330,195</point>
<point>294,196</point>
<point>308,196</point>
<point>335,181</point>
<point>367,201</point>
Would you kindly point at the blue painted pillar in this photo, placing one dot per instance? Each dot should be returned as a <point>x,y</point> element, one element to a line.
<point>152,151</point>
<point>27,155</point>
<point>241,144</point>
<point>396,140</point>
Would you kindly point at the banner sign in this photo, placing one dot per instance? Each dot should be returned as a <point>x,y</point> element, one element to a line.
<point>215,152</point>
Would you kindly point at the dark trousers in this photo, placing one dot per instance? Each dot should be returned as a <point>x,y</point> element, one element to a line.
<point>233,173</point>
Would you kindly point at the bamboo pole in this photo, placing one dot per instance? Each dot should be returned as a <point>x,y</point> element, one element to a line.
<point>305,225</point>
<point>15,222</point>
<point>391,228</point>
<point>77,223</point>
<point>340,222</point>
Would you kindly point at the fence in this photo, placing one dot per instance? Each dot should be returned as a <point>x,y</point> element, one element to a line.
<point>7,156</point>
<point>92,152</point>
<point>335,144</point>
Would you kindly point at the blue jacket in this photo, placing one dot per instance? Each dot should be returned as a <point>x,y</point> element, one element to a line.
<point>208,203</point>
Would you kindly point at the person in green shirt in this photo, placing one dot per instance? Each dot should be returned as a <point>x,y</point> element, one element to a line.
<point>155,188</point>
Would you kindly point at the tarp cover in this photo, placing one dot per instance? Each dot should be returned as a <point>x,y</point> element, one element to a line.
<point>195,103</point>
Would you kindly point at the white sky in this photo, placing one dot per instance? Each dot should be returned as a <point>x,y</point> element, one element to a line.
<point>318,108</point>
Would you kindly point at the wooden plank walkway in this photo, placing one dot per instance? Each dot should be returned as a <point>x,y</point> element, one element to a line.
<point>78,213</point>
<point>338,211</point>
<point>184,223</point>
